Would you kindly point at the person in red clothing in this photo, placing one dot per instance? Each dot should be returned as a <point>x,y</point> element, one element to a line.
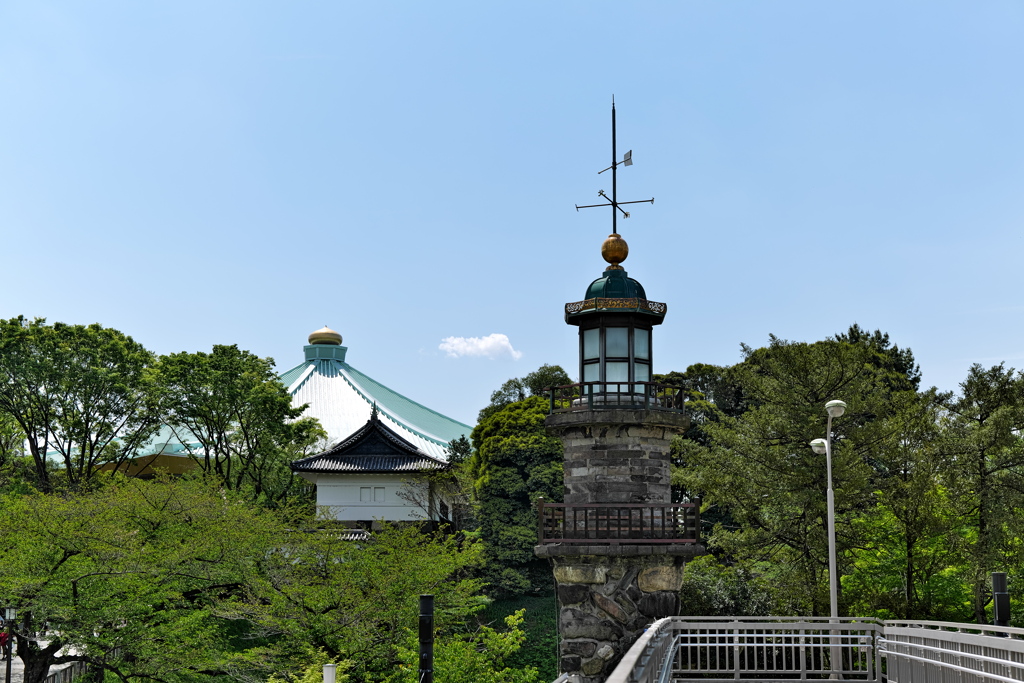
<point>3,645</point>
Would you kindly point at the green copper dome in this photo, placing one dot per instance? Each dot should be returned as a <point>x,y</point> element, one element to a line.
<point>615,284</point>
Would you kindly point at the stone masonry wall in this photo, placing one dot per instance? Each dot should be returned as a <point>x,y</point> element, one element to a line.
<point>617,456</point>
<point>606,603</point>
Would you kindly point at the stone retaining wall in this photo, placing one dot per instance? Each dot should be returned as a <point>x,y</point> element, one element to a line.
<point>605,603</point>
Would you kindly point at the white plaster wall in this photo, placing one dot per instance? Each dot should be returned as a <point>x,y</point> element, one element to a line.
<point>372,496</point>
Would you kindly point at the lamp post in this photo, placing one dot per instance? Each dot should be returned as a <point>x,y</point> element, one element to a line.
<point>824,446</point>
<point>10,614</point>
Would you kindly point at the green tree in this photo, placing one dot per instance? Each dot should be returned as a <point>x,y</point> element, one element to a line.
<point>479,657</point>
<point>232,403</point>
<point>129,576</point>
<point>981,436</point>
<point>515,462</point>
<point>758,469</point>
<point>80,393</point>
<point>353,600</point>
<point>904,566</point>
<point>519,388</point>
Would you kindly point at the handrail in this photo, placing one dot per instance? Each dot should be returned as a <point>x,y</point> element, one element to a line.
<point>801,648</point>
<point>617,523</point>
<point>753,648</point>
<point>610,395</point>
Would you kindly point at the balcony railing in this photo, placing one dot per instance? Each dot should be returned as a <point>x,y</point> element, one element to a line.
<point>615,395</point>
<point>618,523</point>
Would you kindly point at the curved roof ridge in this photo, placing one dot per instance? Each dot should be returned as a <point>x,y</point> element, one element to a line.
<point>394,414</point>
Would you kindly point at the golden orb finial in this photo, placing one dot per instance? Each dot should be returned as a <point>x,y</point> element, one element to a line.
<point>614,250</point>
<point>325,335</point>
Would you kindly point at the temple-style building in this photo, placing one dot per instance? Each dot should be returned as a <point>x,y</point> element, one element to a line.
<point>381,445</point>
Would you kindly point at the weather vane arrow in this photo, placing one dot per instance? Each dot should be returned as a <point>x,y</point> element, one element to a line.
<point>613,201</point>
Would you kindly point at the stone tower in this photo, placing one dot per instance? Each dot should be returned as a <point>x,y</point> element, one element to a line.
<point>617,544</point>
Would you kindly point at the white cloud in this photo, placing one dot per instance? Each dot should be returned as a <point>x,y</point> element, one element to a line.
<point>491,346</point>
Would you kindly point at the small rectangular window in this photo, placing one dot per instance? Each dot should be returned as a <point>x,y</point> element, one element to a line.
<point>643,372</point>
<point>616,372</point>
<point>590,372</point>
<point>642,344</point>
<point>378,494</point>
<point>365,494</point>
<point>616,342</point>
<point>591,344</point>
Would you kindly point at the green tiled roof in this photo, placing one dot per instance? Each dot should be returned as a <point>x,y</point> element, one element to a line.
<point>409,411</point>
<point>291,375</point>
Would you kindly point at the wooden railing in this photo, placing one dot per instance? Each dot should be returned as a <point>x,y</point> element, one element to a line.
<point>618,523</point>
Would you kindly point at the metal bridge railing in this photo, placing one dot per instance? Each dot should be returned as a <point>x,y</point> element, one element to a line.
<point>940,651</point>
<point>707,649</point>
<point>754,649</point>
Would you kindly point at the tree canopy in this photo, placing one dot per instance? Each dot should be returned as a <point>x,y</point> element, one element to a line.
<point>79,393</point>
<point>514,463</point>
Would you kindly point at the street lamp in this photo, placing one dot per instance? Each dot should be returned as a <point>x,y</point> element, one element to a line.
<point>824,446</point>
<point>10,614</point>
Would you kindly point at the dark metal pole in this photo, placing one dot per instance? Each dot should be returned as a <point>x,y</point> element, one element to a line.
<point>615,196</point>
<point>1000,600</point>
<point>426,639</point>
<point>10,647</point>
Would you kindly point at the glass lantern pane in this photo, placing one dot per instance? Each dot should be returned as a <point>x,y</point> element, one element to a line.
<point>642,344</point>
<point>616,372</point>
<point>590,372</point>
<point>616,342</point>
<point>591,344</point>
<point>643,372</point>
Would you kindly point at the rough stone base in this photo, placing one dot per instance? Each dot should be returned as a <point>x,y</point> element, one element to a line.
<point>605,603</point>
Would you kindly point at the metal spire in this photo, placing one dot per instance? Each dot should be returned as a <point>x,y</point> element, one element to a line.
<point>613,201</point>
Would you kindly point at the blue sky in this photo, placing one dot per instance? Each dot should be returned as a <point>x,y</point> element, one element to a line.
<point>197,173</point>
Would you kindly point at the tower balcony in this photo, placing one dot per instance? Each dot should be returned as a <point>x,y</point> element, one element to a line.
<point>584,396</point>
<point>618,523</point>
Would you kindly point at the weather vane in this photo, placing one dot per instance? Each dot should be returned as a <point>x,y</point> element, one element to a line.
<point>613,201</point>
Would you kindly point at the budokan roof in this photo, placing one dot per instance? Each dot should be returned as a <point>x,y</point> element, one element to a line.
<point>342,398</point>
<point>375,448</point>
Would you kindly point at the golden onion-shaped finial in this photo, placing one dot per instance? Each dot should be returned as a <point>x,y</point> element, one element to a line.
<point>615,250</point>
<point>325,335</point>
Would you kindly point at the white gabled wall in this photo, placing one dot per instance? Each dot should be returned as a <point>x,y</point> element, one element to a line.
<point>390,497</point>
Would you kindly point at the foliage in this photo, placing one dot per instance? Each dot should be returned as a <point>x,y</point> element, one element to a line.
<point>353,600</point>
<point>313,672</point>
<point>982,439</point>
<point>541,626</point>
<point>712,589</point>
<point>518,389</point>
<point>82,393</point>
<point>478,658</point>
<point>515,462</point>
<point>128,576</point>
<point>758,467</point>
<point>232,403</point>
<point>459,450</point>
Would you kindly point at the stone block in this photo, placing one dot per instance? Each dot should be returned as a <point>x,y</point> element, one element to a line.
<point>592,667</point>
<point>571,663</point>
<point>661,578</point>
<point>658,605</point>
<point>580,574</point>
<point>606,652</point>
<point>583,648</point>
<point>574,623</point>
<point>572,593</point>
<point>611,608</point>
